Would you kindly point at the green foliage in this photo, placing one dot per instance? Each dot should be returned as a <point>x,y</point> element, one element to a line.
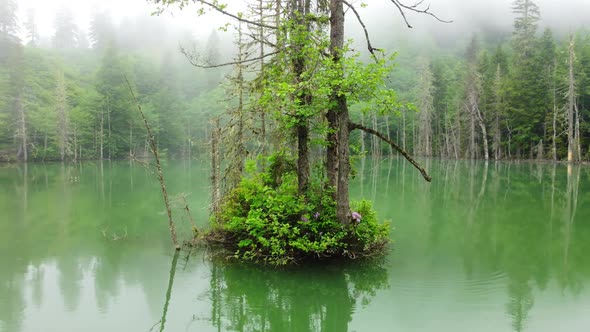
<point>263,220</point>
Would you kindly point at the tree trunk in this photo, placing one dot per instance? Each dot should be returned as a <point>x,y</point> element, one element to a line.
<point>101,130</point>
<point>22,131</point>
<point>158,165</point>
<point>215,168</point>
<point>571,101</point>
<point>404,128</point>
<point>388,134</point>
<point>303,99</point>
<point>472,137</point>
<point>110,129</point>
<point>62,113</point>
<point>130,139</point>
<point>578,147</point>
<point>362,135</point>
<point>554,126</point>
<point>338,118</point>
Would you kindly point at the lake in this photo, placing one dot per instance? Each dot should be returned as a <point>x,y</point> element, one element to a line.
<point>484,247</point>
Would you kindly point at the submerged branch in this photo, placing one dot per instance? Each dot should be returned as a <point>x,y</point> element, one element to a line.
<point>406,155</point>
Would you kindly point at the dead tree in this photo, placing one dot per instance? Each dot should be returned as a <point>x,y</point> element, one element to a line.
<point>571,102</point>
<point>158,166</point>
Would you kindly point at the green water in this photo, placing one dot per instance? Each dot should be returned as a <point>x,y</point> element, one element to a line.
<point>499,248</point>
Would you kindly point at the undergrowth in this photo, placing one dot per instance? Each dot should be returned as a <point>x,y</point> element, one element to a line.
<point>264,220</point>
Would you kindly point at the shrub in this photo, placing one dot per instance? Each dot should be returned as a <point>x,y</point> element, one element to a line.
<point>264,220</point>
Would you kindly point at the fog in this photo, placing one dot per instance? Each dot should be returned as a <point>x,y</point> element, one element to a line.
<point>381,17</point>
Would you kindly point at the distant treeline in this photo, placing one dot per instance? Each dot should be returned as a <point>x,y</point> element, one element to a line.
<point>67,99</point>
<point>527,97</point>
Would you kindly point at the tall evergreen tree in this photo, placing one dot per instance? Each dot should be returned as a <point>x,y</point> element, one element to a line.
<point>65,30</point>
<point>102,30</point>
<point>8,26</point>
<point>526,94</point>
<point>525,26</point>
<point>32,30</point>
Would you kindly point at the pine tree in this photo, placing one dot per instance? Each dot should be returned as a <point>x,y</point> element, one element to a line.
<point>102,30</point>
<point>32,30</point>
<point>525,26</point>
<point>526,99</point>
<point>65,30</point>
<point>8,27</point>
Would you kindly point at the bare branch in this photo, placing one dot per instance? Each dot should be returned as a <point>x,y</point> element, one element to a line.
<point>401,11</point>
<point>358,17</point>
<point>353,126</point>
<point>415,8</point>
<point>234,16</point>
<point>196,61</point>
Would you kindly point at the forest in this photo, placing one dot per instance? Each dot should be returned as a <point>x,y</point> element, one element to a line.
<point>523,95</point>
<point>324,165</point>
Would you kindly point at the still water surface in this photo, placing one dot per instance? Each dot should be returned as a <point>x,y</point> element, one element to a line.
<point>502,247</point>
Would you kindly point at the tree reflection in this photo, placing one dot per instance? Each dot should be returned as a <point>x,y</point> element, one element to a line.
<point>318,298</point>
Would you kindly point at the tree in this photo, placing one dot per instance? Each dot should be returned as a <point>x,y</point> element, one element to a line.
<point>472,95</point>
<point>65,36</point>
<point>102,30</point>
<point>548,55</point>
<point>426,107</point>
<point>8,26</point>
<point>113,116</point>
<point>17,80</point>
<point>61,103</point>
<point>337,84</point>
<point>572,108</point>
<point>525,27</point>
<point>32,30</point>
<point>526,93</point>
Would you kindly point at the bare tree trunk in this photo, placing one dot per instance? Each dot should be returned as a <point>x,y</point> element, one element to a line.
<point>458,140</point>
<point>404,129</point>
<point>75,143</point>
<point>554,125</point>
<point>571,94</point>
<point>110,129</point>
<point>45,141</point>
<point>22,128</point>
<point>62,113</point>
<point>362,136</point>
<point>158,165</point>
<point>101,139</point>
<point>376,151</point>
<point>472,137</point>
<point>578,149</point>
<point>130,138</point>
<point>215,168</point>
<point>484,135</point>
<point>425,101</point>
<point>388,134</point>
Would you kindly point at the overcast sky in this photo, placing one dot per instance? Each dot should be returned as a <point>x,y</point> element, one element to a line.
<point>468,15</point>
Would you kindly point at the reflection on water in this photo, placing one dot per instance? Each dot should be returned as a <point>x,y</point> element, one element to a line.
<point>485,247</point>
<point>306,299</point>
